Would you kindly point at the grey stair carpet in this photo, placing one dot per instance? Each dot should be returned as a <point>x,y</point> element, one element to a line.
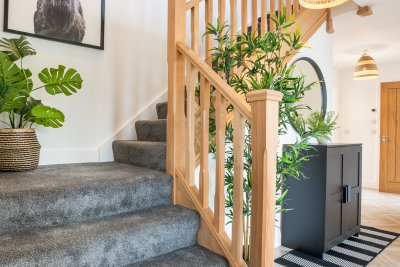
<point>194,256</point>
<point>64,194</point>
<point>162,110</point>
<point>101,214</point>
<point>151,130</point>
<point>115,241</point>
<point>151,155</point>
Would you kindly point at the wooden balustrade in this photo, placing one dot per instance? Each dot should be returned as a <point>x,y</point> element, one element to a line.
<point>187,72</point>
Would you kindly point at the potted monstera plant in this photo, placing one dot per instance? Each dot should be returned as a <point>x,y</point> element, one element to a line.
<point>19,110</point>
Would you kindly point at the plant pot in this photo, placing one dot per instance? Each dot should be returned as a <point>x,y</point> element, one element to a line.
<point>19,150</point>
<point>322,141</point>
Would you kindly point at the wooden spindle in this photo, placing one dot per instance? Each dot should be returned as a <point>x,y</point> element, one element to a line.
<point>233,22</point>
<point>219,202</point>
<point>272,12</point>
<point>190,118</point>
<point>195,28</point>
<point>244,17</point>
<point>254,16</point>
<point>208,20</point>
<point>300,7</point>
<point>204,173</point>
<point>329,22</point>
<point>221,11</point>
<point>296,6</point>
<point>288,9</point>
<point>237,224</point>
<point>264,145</point>
<point>280,6</point>
<point>263,16</point>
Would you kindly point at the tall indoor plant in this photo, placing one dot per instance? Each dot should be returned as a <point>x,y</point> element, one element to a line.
<point>19,110</point>
<point>262,61</point>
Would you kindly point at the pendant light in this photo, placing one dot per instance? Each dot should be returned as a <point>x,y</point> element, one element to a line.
<point>366,68</point>
<point>321,4</point>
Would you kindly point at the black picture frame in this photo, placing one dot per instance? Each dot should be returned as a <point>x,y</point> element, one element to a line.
<point>102,28</point>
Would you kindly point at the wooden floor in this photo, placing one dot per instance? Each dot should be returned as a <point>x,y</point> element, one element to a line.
<point>380,210</point>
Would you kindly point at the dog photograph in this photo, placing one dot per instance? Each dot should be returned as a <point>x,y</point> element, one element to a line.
<point>79,22</point>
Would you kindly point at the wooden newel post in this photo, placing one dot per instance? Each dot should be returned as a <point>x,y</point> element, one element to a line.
<point>176,87</point>
<point>264,144</point>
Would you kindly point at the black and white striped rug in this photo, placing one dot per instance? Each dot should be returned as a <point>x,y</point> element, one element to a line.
<point>357,251</point>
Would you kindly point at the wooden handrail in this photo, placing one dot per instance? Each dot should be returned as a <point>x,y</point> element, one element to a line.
<point>192,4</point>
<point>220,84</point>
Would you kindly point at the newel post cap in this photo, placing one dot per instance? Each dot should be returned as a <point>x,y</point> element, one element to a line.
<point>264,94</point>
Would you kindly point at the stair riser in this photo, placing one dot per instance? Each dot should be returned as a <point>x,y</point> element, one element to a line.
<point>194,256</point>
<point>150,155</point>
<point>162,110</point>
<point>155,131</point>
<point>30,210</point>
<point>140,241</point>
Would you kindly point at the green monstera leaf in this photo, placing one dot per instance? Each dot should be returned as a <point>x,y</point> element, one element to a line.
<point>15,99</point>
<point>59,80</point>
<point>11,77</point>
<point>29,105</point>
<point>47,116</point>
<point>16,48</point>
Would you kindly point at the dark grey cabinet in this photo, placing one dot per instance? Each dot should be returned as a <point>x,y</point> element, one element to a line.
<point>324,209</point>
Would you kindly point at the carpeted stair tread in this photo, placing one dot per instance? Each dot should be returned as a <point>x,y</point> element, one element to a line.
<point>146,154</point>
<point>194,256</point>
<point>151,130</point>
<point>62,194</point>
<point>162,110</point>
<point>117,241</point>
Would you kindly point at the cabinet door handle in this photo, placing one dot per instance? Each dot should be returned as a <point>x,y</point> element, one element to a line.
<point>347,194</point>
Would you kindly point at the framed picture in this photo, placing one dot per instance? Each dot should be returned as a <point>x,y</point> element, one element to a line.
<point>79,22</point>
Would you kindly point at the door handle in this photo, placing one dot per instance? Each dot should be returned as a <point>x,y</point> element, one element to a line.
<point>346,194</point>
<point>385,138</point>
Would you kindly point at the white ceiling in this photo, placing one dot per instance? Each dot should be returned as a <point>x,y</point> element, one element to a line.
<point>379,33</point>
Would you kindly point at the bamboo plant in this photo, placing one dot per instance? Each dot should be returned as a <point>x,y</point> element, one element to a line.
<point>262,60</point>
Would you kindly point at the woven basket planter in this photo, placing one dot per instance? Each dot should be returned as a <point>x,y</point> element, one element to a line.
<point>19,150</point>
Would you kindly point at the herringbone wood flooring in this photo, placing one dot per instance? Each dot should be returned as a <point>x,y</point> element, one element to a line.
<point>380,210</point>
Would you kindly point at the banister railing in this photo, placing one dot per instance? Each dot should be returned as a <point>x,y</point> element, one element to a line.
<point>192,79</point>
<point>263,116</point>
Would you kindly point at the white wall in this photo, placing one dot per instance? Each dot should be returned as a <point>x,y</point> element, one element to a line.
<point>119,82</point>
<point>357,121</point>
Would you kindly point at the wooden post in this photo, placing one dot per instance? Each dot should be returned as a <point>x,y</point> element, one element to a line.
<point>329,22</point>
<point>176,72</point>
<point>264,144</point>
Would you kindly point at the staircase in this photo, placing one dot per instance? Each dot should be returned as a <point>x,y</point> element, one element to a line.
<point>101,214</point>
<point>150,149</point>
